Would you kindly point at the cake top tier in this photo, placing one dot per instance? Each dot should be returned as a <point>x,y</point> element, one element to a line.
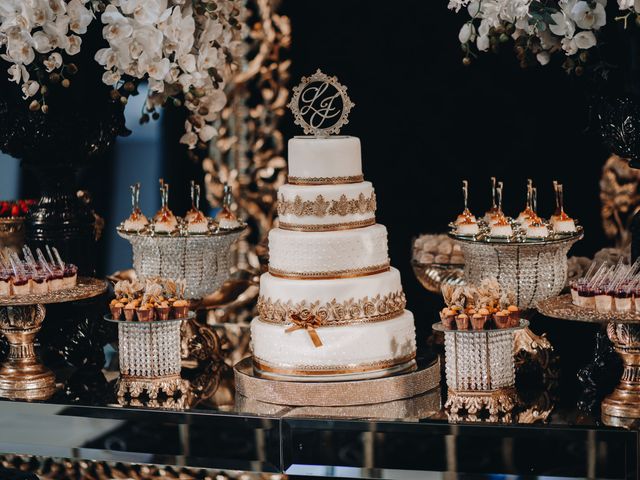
<point>314,160</point>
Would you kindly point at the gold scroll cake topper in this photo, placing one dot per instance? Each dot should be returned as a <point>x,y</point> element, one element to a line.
<point>320,105</point>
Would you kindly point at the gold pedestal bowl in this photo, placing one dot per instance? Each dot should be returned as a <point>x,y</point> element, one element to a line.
<point>22,376</point>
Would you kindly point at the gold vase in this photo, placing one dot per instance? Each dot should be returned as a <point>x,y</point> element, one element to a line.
<point>22,376</point>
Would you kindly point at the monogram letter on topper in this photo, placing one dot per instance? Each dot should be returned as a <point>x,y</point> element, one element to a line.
<point>320,105</point>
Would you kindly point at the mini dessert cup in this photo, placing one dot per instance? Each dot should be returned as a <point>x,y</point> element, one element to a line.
<point>21,286</point>
<point>478,321</point>
<point>56,280</point>
<point>501,319</point>
<point>448,318</point>
<point>144,314</point>
<point>39,285</point>
<point>180,309</point>
<point>116,310</point>
<point>514,316</point>
<point>5,286</point>
<point>587,296</point>
<point>622,300</point>
<point>130,311</point>
<point>575,295</point>
<point>462,322</point>
<point>603,301</point>
<point>70,276</point>
<point>163,311</point>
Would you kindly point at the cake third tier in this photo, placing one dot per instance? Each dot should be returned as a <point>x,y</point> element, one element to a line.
<point>339,254</point>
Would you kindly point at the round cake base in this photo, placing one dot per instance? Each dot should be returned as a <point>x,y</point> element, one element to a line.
<point>249,384</point>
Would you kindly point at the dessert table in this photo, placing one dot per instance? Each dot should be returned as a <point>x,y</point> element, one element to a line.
<point>413,436</point>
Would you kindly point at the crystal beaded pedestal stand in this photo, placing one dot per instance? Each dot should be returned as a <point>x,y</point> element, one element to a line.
<point>201,260</point>
<point>150,359</point>
<point>533,270</point>
<point>22,376</point>
<point>480,369</point>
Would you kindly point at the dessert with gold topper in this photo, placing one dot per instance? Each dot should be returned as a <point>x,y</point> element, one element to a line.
<point>528,227</point>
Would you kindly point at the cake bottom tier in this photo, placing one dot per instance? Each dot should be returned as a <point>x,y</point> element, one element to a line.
<point>348,352</point>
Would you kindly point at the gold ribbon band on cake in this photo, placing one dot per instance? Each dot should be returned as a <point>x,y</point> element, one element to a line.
<point>332,274</point>
<point>325,180</point>
<point>333,313</point>
<point>311,370</point>
<point>329,227</point>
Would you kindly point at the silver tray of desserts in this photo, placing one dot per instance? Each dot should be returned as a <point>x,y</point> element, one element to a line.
<point>165,224</point>
<point>528,228</point>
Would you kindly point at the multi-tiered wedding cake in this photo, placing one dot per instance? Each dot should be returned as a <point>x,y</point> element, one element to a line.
<point>331,307</point>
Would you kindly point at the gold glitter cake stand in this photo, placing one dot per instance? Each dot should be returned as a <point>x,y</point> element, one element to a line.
<point>22,376</point>
<point>339,393</point>
<point>622,406</point>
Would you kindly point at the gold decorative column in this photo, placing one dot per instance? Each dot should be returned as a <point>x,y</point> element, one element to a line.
<point>22,376</point>
<point>623,405</point>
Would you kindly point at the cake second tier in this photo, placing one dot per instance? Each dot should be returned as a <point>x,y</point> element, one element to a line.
<point>318,208</point>
<point>339,254</point>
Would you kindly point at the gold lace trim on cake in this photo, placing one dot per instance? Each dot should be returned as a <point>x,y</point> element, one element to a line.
<point>321,208</point>
<point>332,370</point>
<point>333,274</point>
<point>325,180</point>
<point>333,313</point>
<point>327,227</point>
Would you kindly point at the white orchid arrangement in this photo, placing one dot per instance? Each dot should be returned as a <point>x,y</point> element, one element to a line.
<point>539,28</point>
<point>185,49</point>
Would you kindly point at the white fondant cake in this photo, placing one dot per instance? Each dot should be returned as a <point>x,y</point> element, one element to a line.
<point>333,159</point>
<point>326,207</point>
<point>360,251</point>
<point>370,346</point>
<point>331,308</point>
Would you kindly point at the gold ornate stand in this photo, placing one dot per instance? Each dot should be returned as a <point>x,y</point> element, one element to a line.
<point>152,386</point>
<point>22,376</point>
<point>623,405</point>
<point>496,402</point>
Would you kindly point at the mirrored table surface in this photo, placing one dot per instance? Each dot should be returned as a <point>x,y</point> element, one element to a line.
<point>546,434</point>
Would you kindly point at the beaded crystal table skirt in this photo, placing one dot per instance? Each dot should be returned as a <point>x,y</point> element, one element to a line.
<point>532,271</point>
<point>201,261</point>
<point>481,361</point>
<point>149,349</point>
<point>149,355</point>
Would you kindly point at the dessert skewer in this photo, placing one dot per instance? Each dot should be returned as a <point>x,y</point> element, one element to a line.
<point>226,218</point>
<point>137,220</point>
<point>501,227</point>
<point>563,223</point>
<point>196,220</point>
<point>466,221</point>
<point>488,216</point>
